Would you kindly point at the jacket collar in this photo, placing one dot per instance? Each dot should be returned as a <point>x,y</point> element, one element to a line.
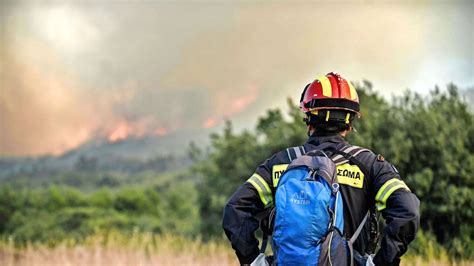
<point>317,139</point>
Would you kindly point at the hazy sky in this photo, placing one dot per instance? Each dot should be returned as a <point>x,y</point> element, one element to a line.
<point>71,71</point>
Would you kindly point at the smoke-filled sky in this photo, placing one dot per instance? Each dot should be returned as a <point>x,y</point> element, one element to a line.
<point>72,71</point>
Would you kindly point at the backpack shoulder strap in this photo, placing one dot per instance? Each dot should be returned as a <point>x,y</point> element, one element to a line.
<point>295,152</point>
<point>354,237</point>
<point>359,229</point>
<point>348,154</point>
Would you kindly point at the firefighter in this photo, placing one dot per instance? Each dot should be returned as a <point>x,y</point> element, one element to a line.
<point>331,104</point>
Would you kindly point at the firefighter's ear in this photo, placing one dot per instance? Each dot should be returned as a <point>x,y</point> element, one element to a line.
<point>351,128</point>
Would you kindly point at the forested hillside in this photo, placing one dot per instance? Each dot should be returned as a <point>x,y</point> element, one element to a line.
<point>429,138</point>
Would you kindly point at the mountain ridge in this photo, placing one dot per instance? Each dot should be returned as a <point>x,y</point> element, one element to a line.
<point>107,155</point>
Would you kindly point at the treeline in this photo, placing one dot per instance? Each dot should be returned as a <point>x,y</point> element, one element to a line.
<point>429,138</point>
<point>83,169</point>
<point>54,214</point>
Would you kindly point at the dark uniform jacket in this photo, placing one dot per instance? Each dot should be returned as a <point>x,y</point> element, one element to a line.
<point>380,186</point>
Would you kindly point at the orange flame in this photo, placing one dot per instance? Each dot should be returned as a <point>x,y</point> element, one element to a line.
<point>161,131</point>
<point>121,132</point>
<point>210,122</point>
<point>140,128</point>
<point>239,104</point>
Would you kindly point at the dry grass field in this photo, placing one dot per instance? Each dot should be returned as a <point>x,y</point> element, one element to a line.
<point>120,250</point>
<point>138,249</point>
<point>107,256</point>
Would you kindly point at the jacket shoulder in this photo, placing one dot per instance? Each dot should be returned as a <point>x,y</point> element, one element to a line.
<point>362,154</point>
<point>287,155</point>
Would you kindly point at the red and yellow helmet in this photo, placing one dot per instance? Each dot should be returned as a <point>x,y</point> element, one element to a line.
<point>330,92</point>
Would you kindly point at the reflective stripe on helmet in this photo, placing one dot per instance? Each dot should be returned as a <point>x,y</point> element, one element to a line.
<point>326,84</point>
<point>386,190</point>
<point>352,91</point>
<point>262,188</point>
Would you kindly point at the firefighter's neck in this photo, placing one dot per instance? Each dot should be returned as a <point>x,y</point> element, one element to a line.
<point>311,130</point>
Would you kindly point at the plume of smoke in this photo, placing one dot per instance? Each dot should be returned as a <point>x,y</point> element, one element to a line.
<point>80,70</point>
<point>40,111</point>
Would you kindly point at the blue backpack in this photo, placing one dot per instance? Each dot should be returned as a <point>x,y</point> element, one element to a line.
<point>308,215</point>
